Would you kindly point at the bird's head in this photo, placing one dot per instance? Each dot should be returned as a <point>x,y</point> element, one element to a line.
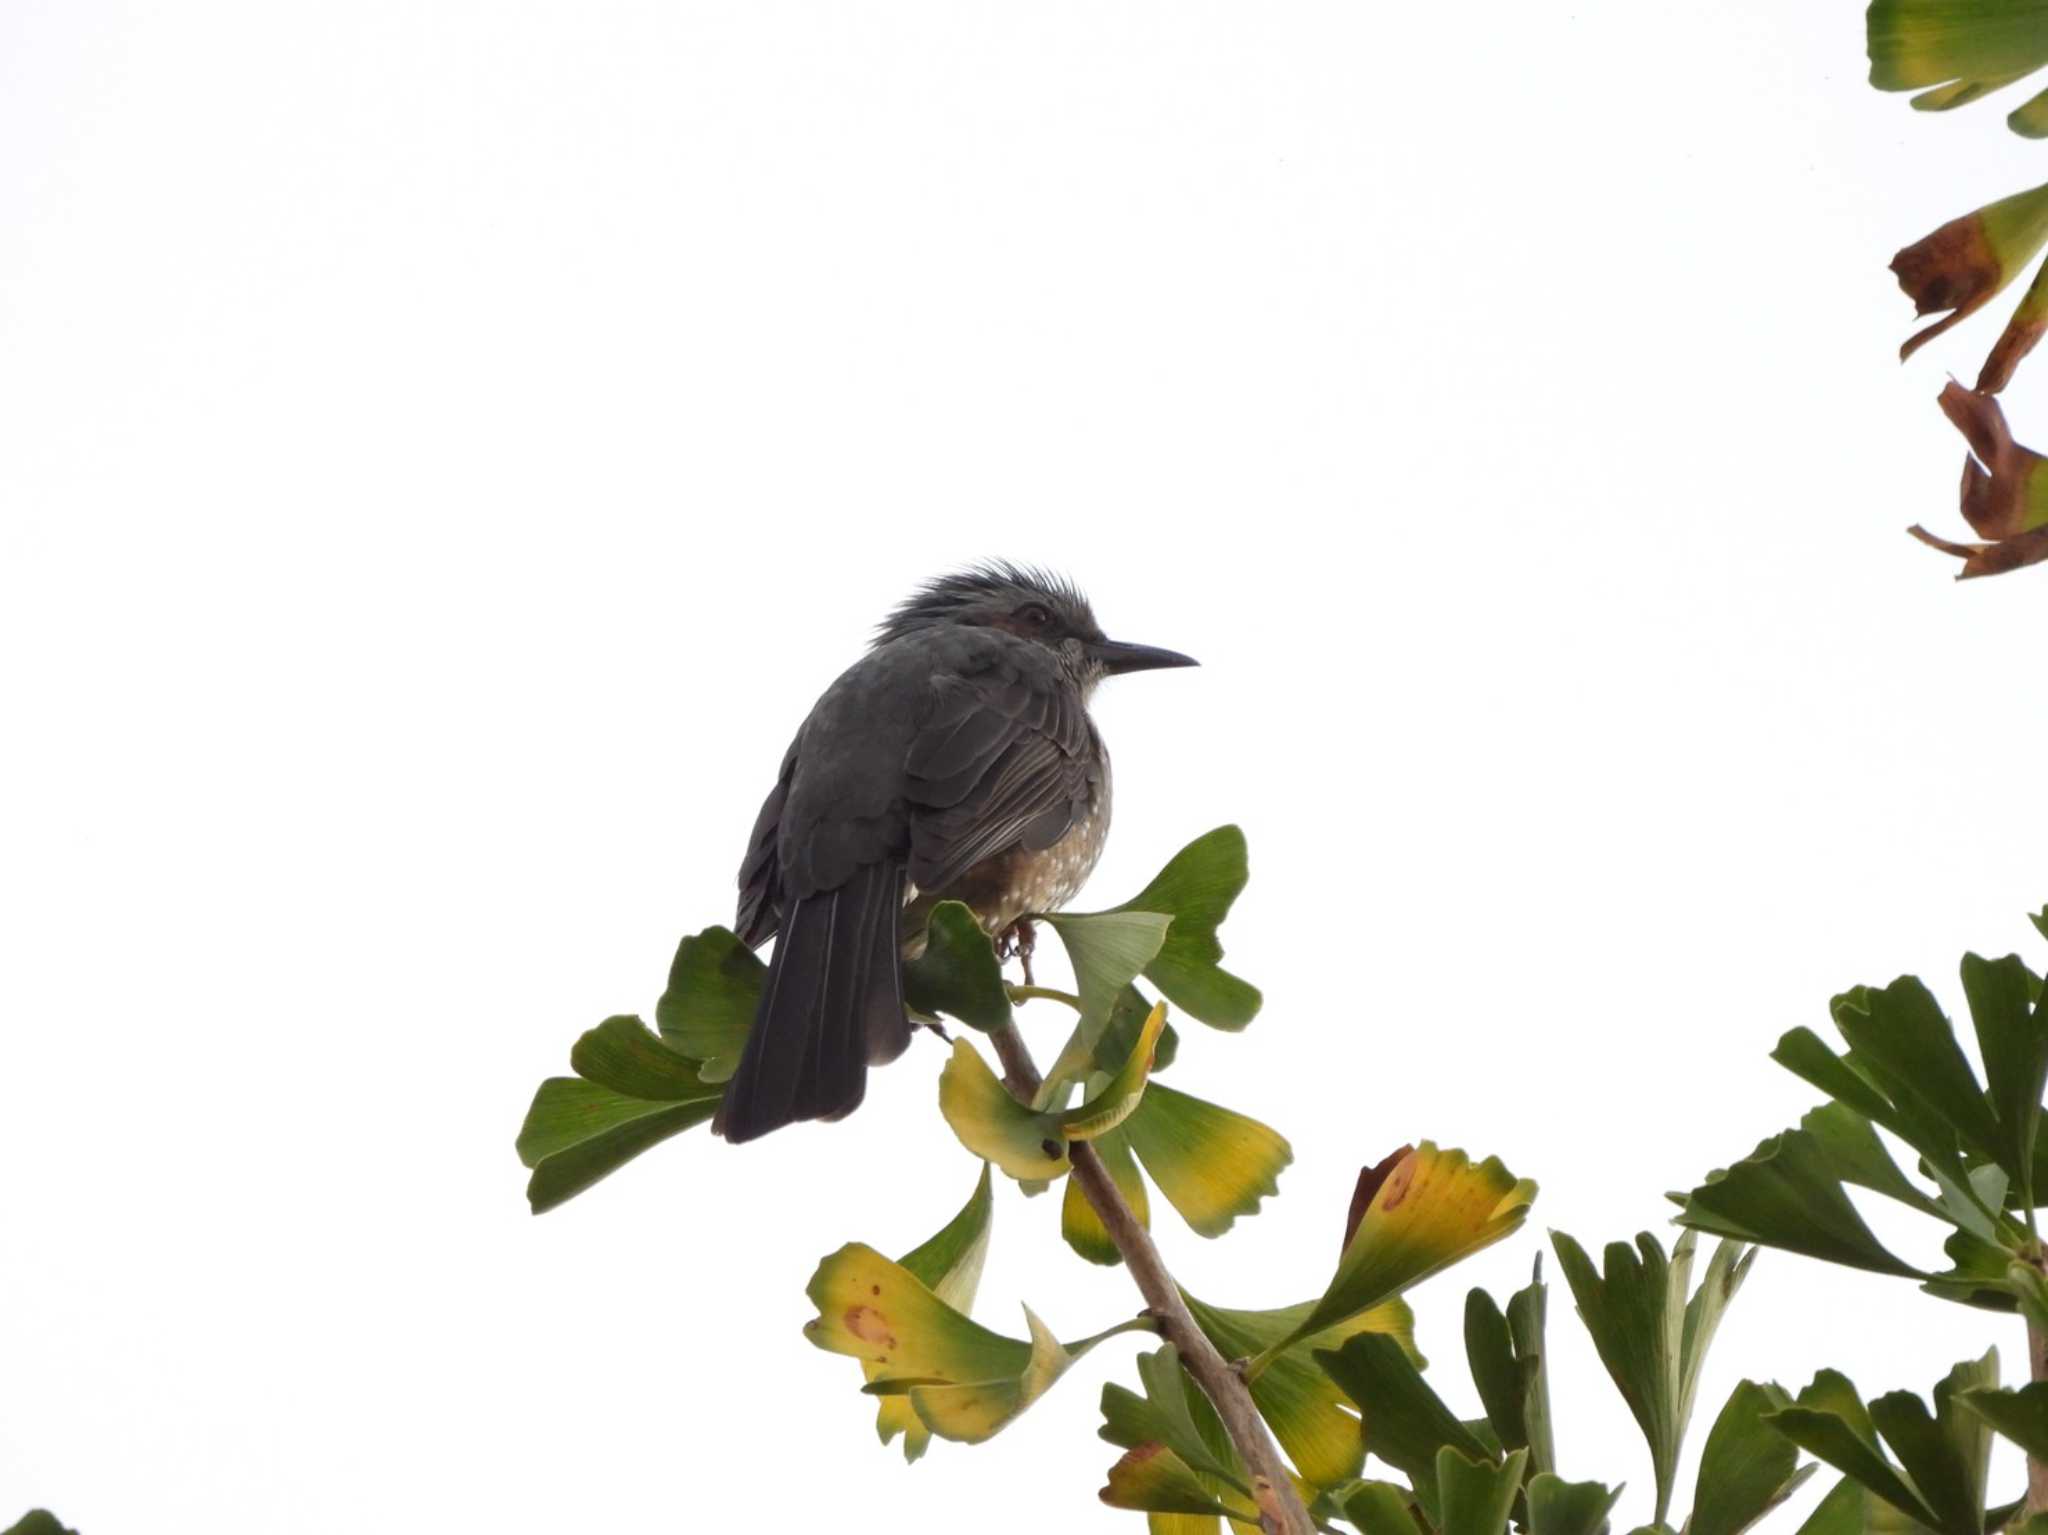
<point>1032,604</point>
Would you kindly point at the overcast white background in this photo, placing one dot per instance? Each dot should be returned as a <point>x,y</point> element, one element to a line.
<point>444,449</point>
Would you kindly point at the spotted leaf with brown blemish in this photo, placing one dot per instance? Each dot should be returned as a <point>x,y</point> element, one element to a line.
<point>961,1380</point>
<point>1432,1208</point>
<point>949,1264</point>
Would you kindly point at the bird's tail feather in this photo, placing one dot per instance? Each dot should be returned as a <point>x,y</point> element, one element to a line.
<point>831,1006</point>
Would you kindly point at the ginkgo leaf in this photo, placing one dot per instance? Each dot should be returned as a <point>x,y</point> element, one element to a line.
<point>1295,1396</point>
<point>1079,1224</point>
<point>1476,1494</point>
<point>963,1381</point>
<point>957,973</point>
<point>1212,1164</point>
<point>633,1092</point>
<point>1786,1194</point>
<point>1196,889</point>
<point>1651,1333</point>
<point>1405,1422</point>
<point>1109,950</point>
<point>1938,1479</point>
<point>1505,1354</point>
<point>1747,1468</point>
<point>714,986</point>
<point>948,1264</point>
<point>1558,1507</point>
<point>1429,1208</point>
<point>1029,1143</point>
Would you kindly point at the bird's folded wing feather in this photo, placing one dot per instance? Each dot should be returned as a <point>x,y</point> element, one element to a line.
<point>1002,760</point>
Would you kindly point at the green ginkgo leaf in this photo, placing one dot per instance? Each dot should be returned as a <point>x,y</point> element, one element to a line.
<point>958,973</point>
<point>1296,1397</point>
<point>1406,1422</point>
<point>1506,1356</point>
<point>1787,1194</point>
<point>1427,1209</point>
<point>1558,1507</point>
<point>39,1521</point>
<point>714,986</point>
<point>1956,51</point>
<point>1650,1333</point>
<point>1196,889</point>
<point>1476,1493</point>
<point>2012,1038</point>
<point>1381,1508</point>
<point>1108,950</point>
<point>2021,1416</point>
<point>1171,1411</point>
<point>1212,1164</point>
<point>1938,1480</point>
<point>1901,1042</point>
<point>1747,1468</point>
<point>948,1264</point>
<point>1031,1143</point>
<point>633,1092</point>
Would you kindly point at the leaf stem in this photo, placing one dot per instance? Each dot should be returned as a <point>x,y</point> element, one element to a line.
<point>1280,1506</point>
<point>1046,993</point>
<point>2037,1361</point>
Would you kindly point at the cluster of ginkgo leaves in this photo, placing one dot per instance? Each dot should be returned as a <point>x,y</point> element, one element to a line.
<point>1337,1378</point>
<point>1951,52</point>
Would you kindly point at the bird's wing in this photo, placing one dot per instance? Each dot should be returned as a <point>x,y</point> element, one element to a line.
<point>760,910</point>
<point>1005,757</point>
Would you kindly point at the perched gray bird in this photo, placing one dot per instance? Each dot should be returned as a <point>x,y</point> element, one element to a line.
<point>954,761</point>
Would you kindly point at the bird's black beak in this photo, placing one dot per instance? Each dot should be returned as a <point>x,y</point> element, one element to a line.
<point>1115,657</point>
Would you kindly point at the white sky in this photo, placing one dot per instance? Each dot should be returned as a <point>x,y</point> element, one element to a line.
<point>445,448</point>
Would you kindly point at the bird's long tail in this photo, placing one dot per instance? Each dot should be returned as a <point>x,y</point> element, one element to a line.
<point>832,1005</point>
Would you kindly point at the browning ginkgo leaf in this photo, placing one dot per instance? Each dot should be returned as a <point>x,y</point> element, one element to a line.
<point>2004,495</point>
<point>1432,1208</point>
<point>1964,264</point>
<point>1029,1143</point>
<point>714,985</point>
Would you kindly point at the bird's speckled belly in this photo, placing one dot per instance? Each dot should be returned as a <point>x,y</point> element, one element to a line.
<point>1016,883</point>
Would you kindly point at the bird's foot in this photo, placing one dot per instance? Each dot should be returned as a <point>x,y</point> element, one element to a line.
<point>1019,941</point>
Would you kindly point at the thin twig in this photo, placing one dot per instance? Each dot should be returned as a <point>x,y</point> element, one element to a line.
<point>1280,1506</point>
<point>2037,1470</point>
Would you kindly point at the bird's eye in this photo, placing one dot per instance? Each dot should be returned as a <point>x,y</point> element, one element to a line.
<point>1034,614</point>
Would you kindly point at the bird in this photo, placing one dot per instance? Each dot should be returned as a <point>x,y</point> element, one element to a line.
<point>954,761</point>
